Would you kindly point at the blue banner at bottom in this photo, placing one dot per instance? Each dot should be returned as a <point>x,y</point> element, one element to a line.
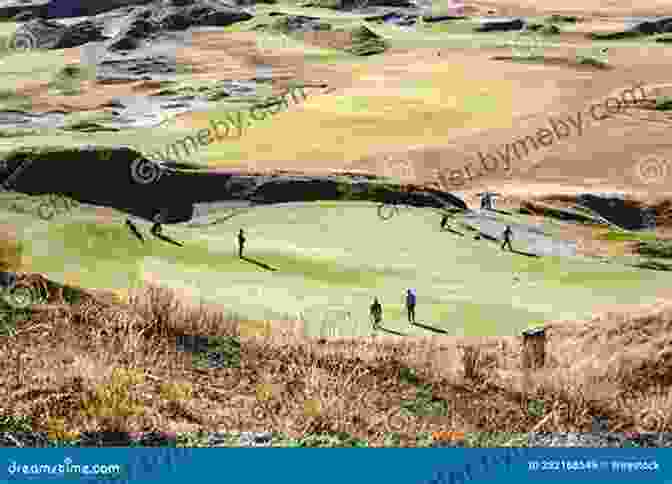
<point>337,466</point>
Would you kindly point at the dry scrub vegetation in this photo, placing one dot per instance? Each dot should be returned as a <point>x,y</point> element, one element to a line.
<point>115,367</point>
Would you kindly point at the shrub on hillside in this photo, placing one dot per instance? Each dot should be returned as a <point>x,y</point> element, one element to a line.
<point>656,248</point>
<point>664,103</point>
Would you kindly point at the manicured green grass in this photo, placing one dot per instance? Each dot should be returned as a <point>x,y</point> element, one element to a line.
<point>625,236</point>
<point>331,259</point>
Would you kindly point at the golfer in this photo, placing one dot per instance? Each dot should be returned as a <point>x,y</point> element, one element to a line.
<point>241,243</point>
<point>7,281</point>
<point>410,305</point>
<point>444,221</point>
<point>376,313</point>
<point>507,237</point>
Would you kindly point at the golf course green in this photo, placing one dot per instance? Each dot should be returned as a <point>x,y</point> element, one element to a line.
<point>325,261</point>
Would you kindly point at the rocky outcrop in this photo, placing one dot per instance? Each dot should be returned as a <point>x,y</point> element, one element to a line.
<point>620,211</point>
<point>299,23</point>
<point>353,4</point>
<point>49,34</point>
<point>396,18</point>
<point>661,26</point>
<point>55,9</point>
<point>146,24</point>
<point>528,207</point>
<point>611,210</point>
<point>642,29</point>
<point>11,10</point>
<point>143,24</point>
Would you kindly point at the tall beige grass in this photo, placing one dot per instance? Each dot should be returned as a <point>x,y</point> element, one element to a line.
<point>106,366</point>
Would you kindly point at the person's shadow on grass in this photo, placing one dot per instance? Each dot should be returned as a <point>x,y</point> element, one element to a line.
<point>260,264</point>
<point>436,330</point>
<point>528,254</point>
<point>391,331</point>
<point>451,230</point>
<point>503,212</point>
<point>169,240</point>
<point>483,235</point>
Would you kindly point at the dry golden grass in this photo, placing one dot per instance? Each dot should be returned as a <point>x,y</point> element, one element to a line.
<point>98,367</point>
<point>11,252</point>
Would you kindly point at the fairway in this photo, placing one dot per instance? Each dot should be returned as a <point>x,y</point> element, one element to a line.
<point>320,261</point>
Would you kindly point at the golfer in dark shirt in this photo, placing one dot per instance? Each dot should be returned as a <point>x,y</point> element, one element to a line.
<point>376,313</point>
<point>507,238</point>
<point>241,243</point>
<point>410,305</point>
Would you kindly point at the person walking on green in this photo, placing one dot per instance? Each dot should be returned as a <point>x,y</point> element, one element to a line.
<point>241,243</point>
<point>376,313</point>
<point>507,238</point>
<point>444,221</point>
<point>410,305</point>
